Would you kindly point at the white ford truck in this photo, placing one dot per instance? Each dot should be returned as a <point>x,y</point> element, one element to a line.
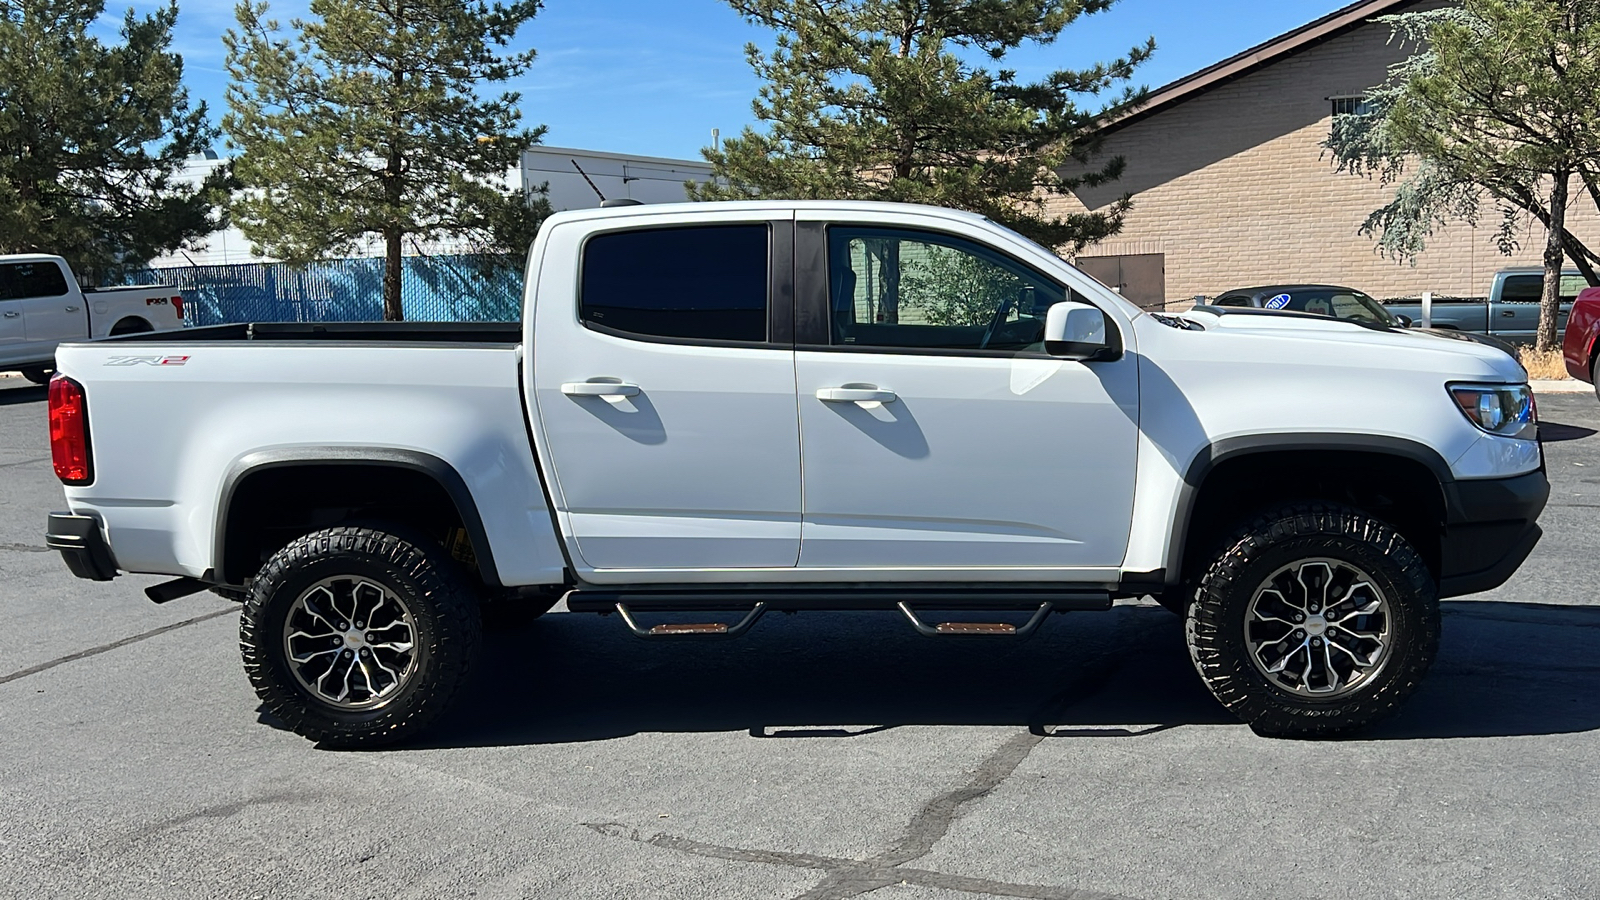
<point>730,409</point>
<point>41,306</point>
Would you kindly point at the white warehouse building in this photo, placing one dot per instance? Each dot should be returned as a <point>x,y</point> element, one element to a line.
<point>575,179</point>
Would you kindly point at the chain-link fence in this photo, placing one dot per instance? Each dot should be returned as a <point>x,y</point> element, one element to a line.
<point>433,289</point>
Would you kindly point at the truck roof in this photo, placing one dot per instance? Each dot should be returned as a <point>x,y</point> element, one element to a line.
<point>716,206</point>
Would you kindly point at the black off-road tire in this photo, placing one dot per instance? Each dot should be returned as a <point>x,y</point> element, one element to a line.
<point>1215,624</point>
<point>444,610</point>
<point>38,374</point>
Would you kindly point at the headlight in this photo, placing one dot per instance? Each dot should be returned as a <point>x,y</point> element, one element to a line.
<point>1503,409</point>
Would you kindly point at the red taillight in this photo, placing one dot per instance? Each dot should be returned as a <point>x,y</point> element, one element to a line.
<point>69,431</point>
<point>177,304</point>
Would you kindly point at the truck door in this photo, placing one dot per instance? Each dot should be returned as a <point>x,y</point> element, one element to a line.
<point>27,287</point>
<point>53,311</point>
<point>936,432</point>
<point>663,375</point>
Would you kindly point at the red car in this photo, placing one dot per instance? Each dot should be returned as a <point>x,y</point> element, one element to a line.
<point>1581,346</point>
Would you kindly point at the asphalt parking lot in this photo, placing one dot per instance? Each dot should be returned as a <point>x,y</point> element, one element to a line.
<point>823,756</point>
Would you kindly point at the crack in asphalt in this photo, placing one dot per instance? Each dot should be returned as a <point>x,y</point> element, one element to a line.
<point>846,878</point>
<point>25,548</point>
<point>24,462</point>
<point>105,648</point>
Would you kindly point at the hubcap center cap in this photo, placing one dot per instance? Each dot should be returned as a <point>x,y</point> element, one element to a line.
<point>1316,625</point>
<point>354,639</point>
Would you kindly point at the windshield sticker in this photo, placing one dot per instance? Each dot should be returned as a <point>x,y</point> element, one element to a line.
<point>1278,302</point>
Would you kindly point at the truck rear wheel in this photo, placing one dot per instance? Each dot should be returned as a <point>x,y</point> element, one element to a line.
<point>355,637</point>
<point>1316,620</point>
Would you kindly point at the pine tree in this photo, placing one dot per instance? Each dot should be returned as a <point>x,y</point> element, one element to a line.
<point>877,100</point>
<point>1497,104</point>
<point>91,137</point>
<point>367,122</point>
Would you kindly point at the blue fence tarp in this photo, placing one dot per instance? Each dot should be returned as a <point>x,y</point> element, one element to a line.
<point>433,289</point>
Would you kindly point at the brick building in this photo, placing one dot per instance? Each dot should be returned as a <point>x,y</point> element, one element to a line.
<point>1231,188</point>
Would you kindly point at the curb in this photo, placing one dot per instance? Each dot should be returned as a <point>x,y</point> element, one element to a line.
<point>1563,386</point>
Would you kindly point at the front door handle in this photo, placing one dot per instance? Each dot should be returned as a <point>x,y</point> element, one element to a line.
<point>13,315</point>
<point>599,389</point>
<point>1508,313</point>
<point>856,395</point>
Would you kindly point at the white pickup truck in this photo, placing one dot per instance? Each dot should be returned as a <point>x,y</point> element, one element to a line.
<point>42,306</point>
<point>736,408</point>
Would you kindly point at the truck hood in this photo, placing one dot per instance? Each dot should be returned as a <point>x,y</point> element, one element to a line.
<point>1453,355</point>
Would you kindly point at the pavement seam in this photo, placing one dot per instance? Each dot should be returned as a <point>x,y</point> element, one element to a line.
<point>106,648</point>
<point>24,462</point>
<point>847,878</point>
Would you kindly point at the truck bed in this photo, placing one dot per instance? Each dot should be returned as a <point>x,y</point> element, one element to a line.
<point>507,333</point>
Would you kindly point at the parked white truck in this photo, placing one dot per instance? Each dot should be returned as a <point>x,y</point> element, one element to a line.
<point>41,306</point>
<point>737,408</point>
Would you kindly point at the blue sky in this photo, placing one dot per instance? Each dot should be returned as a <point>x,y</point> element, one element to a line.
<point>654,77</point>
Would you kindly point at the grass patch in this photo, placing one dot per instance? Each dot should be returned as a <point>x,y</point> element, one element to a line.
<point>1546,365</point>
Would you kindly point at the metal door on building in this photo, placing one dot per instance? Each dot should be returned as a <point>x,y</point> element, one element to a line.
<point>1141,278</point>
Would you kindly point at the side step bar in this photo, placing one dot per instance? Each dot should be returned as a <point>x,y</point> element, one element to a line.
<point>703,629</point>
<point>977,629</point>
<point>753,604</point>
<point>708,598</point>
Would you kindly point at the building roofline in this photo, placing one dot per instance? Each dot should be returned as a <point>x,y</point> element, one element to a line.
<point>1310,34</point>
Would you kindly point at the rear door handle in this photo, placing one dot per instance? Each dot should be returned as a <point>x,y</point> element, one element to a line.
<point>72,309</point>
<point>856,395</point>
<point>599,389</point>
<point>1508,313</point>
<point>13,315</point>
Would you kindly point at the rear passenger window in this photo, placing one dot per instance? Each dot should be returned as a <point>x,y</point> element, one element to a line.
<point>700,283</point>
<point>31,279</point>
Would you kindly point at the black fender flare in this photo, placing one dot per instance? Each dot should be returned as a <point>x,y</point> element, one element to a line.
<point>1211,455</point>
<point>389,457</point>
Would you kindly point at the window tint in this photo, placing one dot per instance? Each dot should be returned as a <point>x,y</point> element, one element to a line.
<point>1233,301</point>
<point>31,279</point>
<point>909,289</point>
<point>705,283</point>
<point>1528,288</point>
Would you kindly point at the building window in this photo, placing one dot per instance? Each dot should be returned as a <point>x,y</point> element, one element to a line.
<point>1350,106</point>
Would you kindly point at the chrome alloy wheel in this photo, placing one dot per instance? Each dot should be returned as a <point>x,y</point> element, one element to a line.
<point>350,643</point>
<point>1319,628</point>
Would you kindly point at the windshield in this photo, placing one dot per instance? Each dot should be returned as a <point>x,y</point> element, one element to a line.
<point>1340,303</point>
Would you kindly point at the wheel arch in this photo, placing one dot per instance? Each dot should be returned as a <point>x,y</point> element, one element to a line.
<point>1230,479</point>
<point>130,325</point>
<point>237,534</point>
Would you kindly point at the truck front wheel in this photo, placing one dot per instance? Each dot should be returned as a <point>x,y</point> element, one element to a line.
<point>355,637</point>
<point>1316,620</point>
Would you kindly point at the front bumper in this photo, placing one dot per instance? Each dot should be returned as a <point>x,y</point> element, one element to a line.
<point>82,546</point>
<point>1491,528</point>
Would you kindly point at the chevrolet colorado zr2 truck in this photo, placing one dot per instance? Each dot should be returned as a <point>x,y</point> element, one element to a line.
<point>736,408</point>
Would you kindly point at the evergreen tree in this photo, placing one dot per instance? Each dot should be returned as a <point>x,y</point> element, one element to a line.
<point>877,100</point>
<point>91,137</point>
<point>367,123</point>
<point>1498,104</point>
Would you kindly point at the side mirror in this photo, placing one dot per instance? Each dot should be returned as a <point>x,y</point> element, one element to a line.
<point>1079,331</point>
<point>1405,321</point>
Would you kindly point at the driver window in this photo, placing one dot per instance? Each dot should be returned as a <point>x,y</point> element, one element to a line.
<point>908,289</point>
